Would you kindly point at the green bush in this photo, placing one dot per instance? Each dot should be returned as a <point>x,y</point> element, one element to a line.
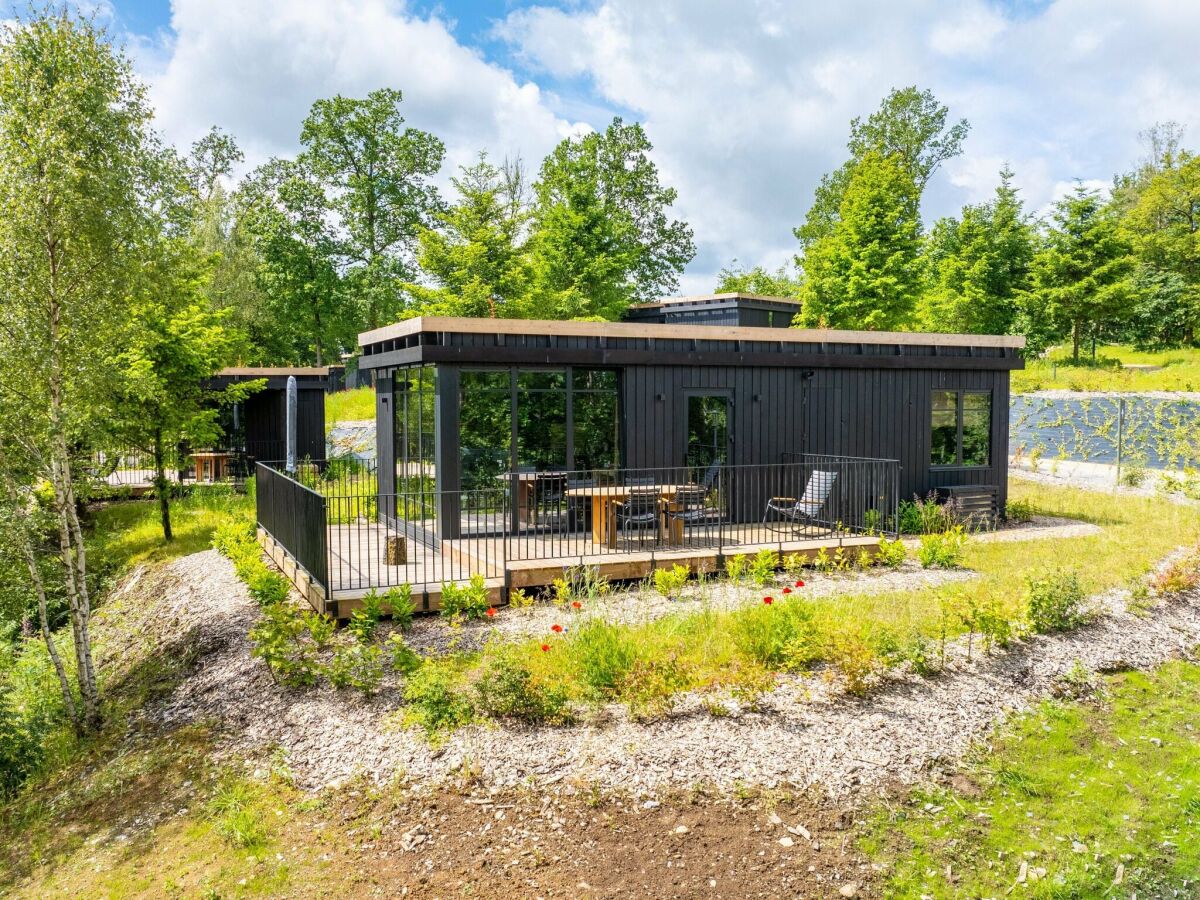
<point>268,588</point>
<point>469,600</point>
<point>400,603</point>
<point>603,653</point>
<point>358,666</point>
<point>735,567</point>
<point>280,638</point>
<point>1019,510</point>
<point>364,621</point>
<point>1056,601</point>
<point>509,690</point>
<point>434,699</point>
<point>944,550</point>
<point>669,582</point>
<point>762,567</point>
<point>923,516</point>
<point>891,553</point>
<point>778,636</point>
<point>405,660</point>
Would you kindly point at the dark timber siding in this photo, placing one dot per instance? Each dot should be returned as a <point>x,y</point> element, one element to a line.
<point>265,418</point>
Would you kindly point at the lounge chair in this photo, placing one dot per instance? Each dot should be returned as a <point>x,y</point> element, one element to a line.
<point>792,512</point>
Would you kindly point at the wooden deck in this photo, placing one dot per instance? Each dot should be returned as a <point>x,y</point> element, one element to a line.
<point>358,560</point>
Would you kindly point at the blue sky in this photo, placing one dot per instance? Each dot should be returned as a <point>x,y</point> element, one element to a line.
<point>747,101</point>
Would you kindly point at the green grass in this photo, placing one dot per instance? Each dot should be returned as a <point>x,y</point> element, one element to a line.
<point>129,532</point>
<point>1076,789</point>
<point>644,664</point>
<point>1180,371</point>
<point>350,406</point>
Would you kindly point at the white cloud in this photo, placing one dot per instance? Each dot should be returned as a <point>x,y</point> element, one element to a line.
<point>254,69</point>
<point>747,102</point>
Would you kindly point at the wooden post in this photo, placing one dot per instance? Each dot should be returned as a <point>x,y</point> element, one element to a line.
<point>397,550</point>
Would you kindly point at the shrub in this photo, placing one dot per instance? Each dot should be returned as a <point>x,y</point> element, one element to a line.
<point>358,666</point>
<point>268,588</point>
<point>1018,510</point>
<point>794,563</point>
<point>762,567</point>
<point>278,639</point>
<point>1055,601</point>
<point>823,562</point>
<point>405,660</point>
<point>1134,472</point>
<point>942,551</point>
<point>855,659</point>
<point>509,690</point>
<point>864,559</point>
<point>401,606</point>
<point>579,583</point>
<point>669,582</point>
<point>872,521</point>
<point>469,600</point>
<point>735,568</point>
<point>518,598</point>
<point>651,685</point>
<point>231,536</point>
<point>1181,575</point>
<point>434,701</point>
<point>924,516</point>
<point>780,636</point>
<point>603,653</point>
<point>994,626</point>
<point>891,553</point>
<point>364,621</point>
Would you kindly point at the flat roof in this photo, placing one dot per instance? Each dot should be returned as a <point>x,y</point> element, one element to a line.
<point>462,325</point>
<point>705,298</point>
<point>274,371</point>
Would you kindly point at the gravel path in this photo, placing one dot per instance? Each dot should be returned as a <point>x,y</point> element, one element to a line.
<point>804,733</point>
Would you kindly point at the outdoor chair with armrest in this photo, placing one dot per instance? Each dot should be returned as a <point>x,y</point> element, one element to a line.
<point>788,511</point>
<point>690,508</point>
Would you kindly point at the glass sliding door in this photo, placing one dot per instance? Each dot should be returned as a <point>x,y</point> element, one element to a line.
<point>415,390</point>
<point>708,431</point>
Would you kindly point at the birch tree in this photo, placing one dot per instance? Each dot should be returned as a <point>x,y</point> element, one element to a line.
<point>75,154</point>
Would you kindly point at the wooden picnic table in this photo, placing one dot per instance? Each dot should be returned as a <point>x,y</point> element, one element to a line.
<point>210,464</point>
<point>605,498</point>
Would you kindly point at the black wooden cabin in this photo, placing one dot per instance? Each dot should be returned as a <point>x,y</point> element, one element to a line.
<point>257,427</point>
<point>462,401</point>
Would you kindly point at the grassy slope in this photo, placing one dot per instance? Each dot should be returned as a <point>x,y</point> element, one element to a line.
<point>1180,372</point>
<point>1077,789</point>
<point>350,406</point>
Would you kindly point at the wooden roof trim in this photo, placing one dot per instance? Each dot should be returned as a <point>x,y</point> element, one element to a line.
<point>651,331</point>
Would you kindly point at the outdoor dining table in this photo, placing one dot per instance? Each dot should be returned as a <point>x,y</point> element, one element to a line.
<point>605,498</point>
<point>526,482</point>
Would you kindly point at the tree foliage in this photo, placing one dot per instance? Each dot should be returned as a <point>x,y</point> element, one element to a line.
<point>603,237</point>
<point>782,282</point>
<point>865,274</point>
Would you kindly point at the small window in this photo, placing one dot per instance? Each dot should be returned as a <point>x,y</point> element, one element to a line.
<point>961,429</point>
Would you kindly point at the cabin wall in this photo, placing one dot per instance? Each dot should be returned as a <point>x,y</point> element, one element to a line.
<point>264,420</point>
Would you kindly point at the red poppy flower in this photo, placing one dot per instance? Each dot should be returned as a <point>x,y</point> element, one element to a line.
<point>787,590</point>
<point>491,611</point>
<point>556,628</point>
<point>577,604</point>
<point>545,647</point>
<point>768,600</point>
<point>799,584</point>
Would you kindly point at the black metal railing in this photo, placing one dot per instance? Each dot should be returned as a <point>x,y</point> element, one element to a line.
<point>419,535</point>
<point>295,516</point>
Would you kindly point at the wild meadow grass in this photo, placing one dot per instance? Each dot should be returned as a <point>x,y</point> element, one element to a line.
<point>354,405</point>
<point>1180,371</point>
<point>128,532</point>
<point>739,650</point>
<point>1094,798</point>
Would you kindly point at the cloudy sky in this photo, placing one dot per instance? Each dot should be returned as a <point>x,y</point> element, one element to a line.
<point>747,101</point>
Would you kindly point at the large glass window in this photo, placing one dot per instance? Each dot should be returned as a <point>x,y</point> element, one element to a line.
<point>961,432</point>
<point>542,420</point>
<point>485,427</point>
<point>415,389</point>
<point>597,423</point>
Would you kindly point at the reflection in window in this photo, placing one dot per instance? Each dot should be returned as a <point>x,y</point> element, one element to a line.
<point>961,432</point>
<point>944,440</point>
<point>542,420</point>
<point>485,427</point>
<point>597,422</point>
<point>415,388</point>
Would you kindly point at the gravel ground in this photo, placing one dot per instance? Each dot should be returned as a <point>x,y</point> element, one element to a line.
<point>805,733</point>
<point>1095,477</point>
